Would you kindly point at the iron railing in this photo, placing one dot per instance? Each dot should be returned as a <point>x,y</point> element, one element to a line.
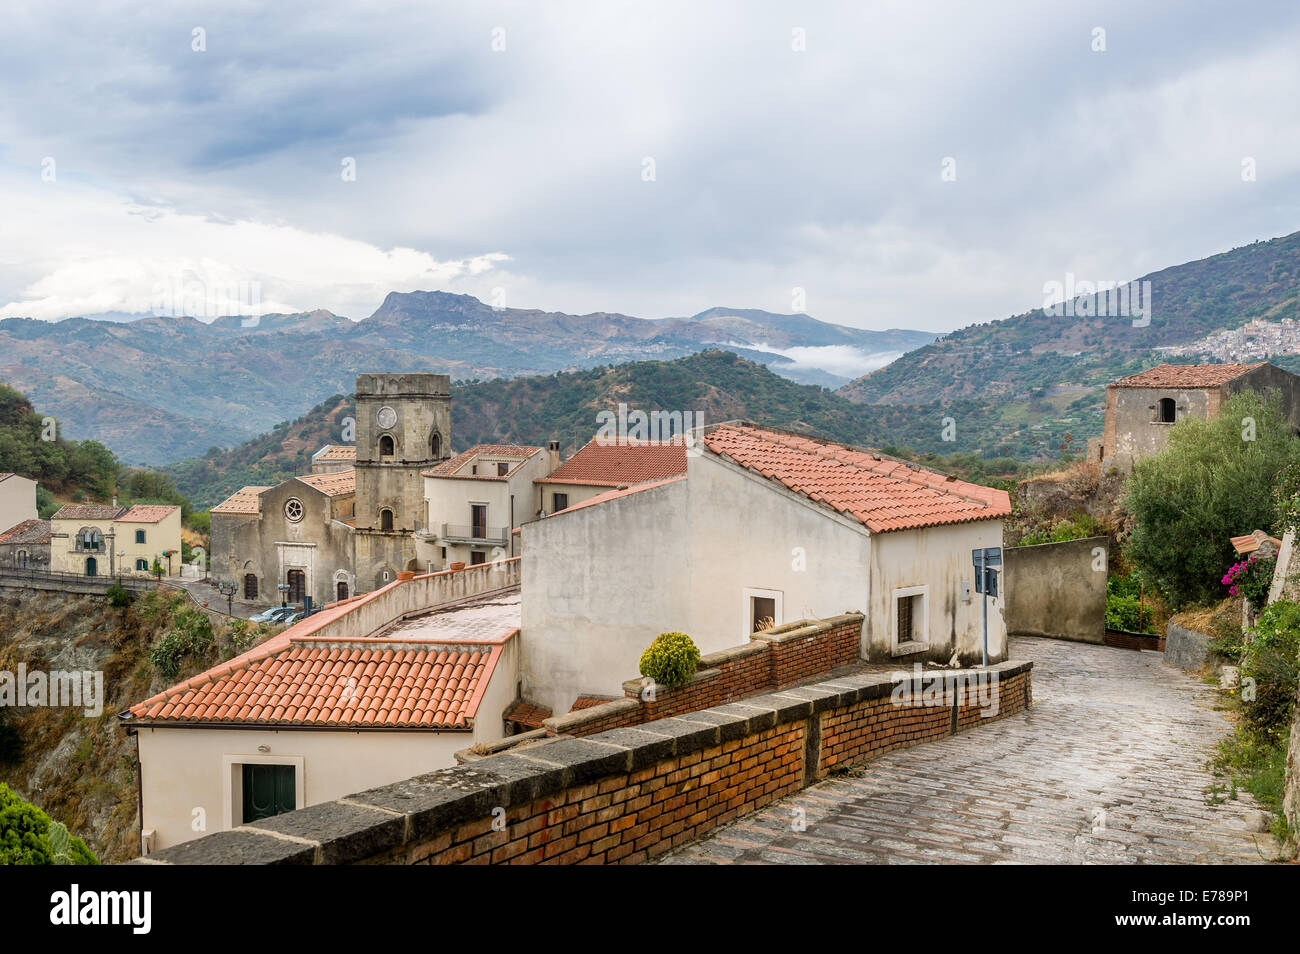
<point>455,533</point>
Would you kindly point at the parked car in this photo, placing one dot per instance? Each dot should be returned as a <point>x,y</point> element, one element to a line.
<point>276,614</point>
<point>293,617</point>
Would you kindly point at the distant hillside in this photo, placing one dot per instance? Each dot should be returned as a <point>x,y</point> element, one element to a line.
<point>160,389</point>
<point>716,384</point>
<point>1001,360</point>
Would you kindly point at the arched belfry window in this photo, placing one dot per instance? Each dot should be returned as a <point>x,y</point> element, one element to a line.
<point>385,519</point>
<point>386,446</point>
<point>435,446</point>
<point>1165,410</point>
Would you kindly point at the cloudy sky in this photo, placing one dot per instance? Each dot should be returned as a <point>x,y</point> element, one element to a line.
<point>652,159</point>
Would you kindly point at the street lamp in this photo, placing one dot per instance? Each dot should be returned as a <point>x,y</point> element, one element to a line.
<point>284,593</point>
<point>228,591</point>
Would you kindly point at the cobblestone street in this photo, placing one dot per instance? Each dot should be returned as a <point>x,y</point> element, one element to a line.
<point>1107,767</point>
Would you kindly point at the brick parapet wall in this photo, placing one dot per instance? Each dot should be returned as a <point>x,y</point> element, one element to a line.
<point>629,794</point>
<point>780,657</point>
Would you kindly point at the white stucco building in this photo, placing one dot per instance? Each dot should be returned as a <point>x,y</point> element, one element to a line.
<point>379,688</point>
<point>767,525</point>
<point>17,500</point>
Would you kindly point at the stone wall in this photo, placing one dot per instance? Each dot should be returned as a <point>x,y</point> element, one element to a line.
<point>1055,589</point>
<point>623,796</point>
<point>772,659</point>
<point>1186,648</point>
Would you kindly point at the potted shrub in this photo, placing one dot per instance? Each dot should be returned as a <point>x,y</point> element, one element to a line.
<point>671,660</point>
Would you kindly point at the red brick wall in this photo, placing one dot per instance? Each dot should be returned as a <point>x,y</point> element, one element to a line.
<point>630,817</point>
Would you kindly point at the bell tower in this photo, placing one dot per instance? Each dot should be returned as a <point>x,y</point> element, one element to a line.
<point>403,428</point>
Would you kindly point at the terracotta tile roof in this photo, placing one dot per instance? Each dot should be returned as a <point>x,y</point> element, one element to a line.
<point>333,485</point>
<point>31,532</point>
<point>243,500</point>
<point>312,683</point>
<point>147,513</point>
<point>614,464</point>
<point>87,512</point>
<point>448,468</point>
<point>1243,545</point>
<point>1186,375</point>
<point>881,494</point>
<point>336,452</point>
<point>525,713</point>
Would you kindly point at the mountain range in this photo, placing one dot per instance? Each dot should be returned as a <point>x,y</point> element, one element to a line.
<point>159,389</point>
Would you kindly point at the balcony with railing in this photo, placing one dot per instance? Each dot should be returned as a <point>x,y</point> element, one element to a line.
<point>475,534</point>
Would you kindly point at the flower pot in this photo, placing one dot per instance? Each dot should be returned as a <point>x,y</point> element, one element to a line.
<point>456,566</point>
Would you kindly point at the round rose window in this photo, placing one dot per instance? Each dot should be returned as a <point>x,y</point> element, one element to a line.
<point>293,509</point>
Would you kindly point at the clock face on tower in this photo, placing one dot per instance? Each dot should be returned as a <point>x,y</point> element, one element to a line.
<point>387,417</point>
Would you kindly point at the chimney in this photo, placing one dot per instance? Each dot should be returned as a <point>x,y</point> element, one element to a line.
<point>553,451</point>
<point>114,500</point>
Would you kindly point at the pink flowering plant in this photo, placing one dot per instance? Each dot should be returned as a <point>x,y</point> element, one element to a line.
<point>1251,578</point>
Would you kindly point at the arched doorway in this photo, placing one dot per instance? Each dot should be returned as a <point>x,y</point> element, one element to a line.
<point>250,586</point>
<point>342,589</point>
<point>92,566</point>
<point>297,581</point>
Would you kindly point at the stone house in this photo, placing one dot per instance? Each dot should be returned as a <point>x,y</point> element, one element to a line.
<point>766,527</point>
<point>1141,408</point>
<point>296,535</point>
<point>26,546</point>
<point>99,540</point>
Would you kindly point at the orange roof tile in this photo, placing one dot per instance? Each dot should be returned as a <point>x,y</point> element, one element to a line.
<point>32,532</point>
<point>526,713</point>
<point>243,500</point>
<point>318,683</point>
<point>339,484</point>
<point>336,452</point>
<point>448,468</point>
<point>588,702</point>
<point>1185,375</point>
<point>1243,545</point>
<point>613,464</point>
<point>87,512</point>
<point>880,493</point>
<point>147,513</point>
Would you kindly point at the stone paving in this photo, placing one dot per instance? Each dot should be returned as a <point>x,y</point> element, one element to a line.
<point>1107,767</point>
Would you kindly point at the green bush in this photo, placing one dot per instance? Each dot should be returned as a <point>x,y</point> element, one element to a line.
<point>671,660</point>
<point>190,636</point>
<point>1124,606</point>
<point>1210,484</point>
<point>117,594</point>
<point>1271,657</point>
<point>29,837</point>
<point>1078,527</point>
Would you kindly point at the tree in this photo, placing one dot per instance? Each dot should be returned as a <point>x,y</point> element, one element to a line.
<point>1215,480</point>
<point>25,836</point>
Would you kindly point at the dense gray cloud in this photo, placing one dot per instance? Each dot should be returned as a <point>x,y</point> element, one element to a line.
<point>503,148</point>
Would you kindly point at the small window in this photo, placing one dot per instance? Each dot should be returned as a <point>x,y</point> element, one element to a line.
<point>502,469</point>
<point>1165,410</point>
<point>762,613</point>
<point>250,586</point>
<point>22,559</point>
<point>386,446</point>
<point>559,502</point>
<point>139,536</point>
<point>444,553</point>
<point>435,446</point>
<point>142,565</point>
<point>477,557</point>
<point>905,607</point>
<point>385,519</point>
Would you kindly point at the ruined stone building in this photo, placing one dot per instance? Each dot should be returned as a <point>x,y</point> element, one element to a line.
<point>1141,409</point>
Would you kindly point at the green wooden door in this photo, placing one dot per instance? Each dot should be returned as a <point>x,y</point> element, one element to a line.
<point>268,790</point>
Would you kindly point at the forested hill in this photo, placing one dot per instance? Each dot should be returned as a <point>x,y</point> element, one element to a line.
<point>715,385</point>
<point>1001,360</point>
